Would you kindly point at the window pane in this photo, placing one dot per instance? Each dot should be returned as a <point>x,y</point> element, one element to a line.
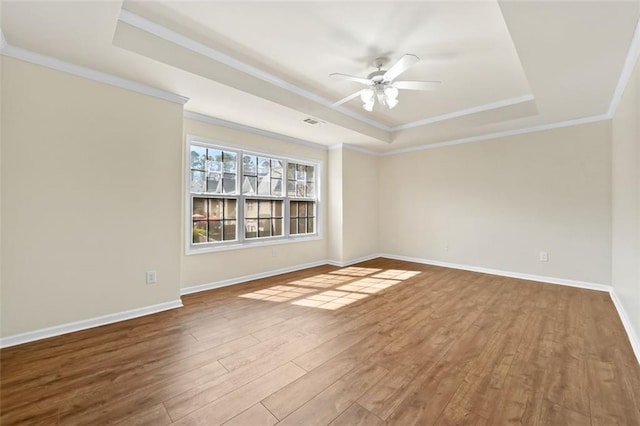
<point>311,190</point>
<point>199,208</point>
<point>229,230</point>
<point>215,230</point>
<point>291,171</point>
<point>249,184</point>
<point>264,227</point>
<point>300,188</point>
<point>264,185</point>
<point>198,157</point>
<point>214,182</point>
<point>264,166</point>
<point>229,162</point>
<point>215,159</point>
<point>251,228</point>
<point>251,209</point>
<point>311,225</point>
<point>277,227</point>
<point>301,172</point>
<point>302,226</point>
<point>249,165</point>
<point>276,168</point>
<point>215,209</point>
<point>265,208</point>
<point>199,232</point>
<point>293,226</point>
<point>302,209</point>
<point>230,209</point>
<point>291,188</point>
<point>311,173</point>
<point>311,209</point>
<point>293,209</point>
<point>276,187</point>
<point>197,182</point>
<point>277,209</point>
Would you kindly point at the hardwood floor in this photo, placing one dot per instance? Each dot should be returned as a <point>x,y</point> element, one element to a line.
<point>383,342</point>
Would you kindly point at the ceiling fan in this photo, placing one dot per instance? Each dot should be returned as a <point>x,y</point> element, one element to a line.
<point>381,85</point>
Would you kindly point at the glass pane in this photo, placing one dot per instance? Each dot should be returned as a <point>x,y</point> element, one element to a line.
<point>291,170</point>
<point>199,232</point>
<point>293,209</point>
<point>276,187</point>
<point>300,188</point>
<point>214,183</point>
<point>215,156</point>
<point>276,168</point>
<point>311,209</point>
<point>249,165</point>
<point>300,172</point>
<point>251,209</point>
<point>215,209</point>
<point>302,209</point>
<point>215,230</point>
<point>199,208</point>
<point>277,208</point>
<point>229,230</point>
<point>198,157</point>
<point>264,227</point>
<point>197,182</point>
<point>302,226</point>
<point>264,185</point>
<point>311,189</point>
<point>265,208</point>
<point>251,228</point>
<point>276,227</point>
<point>311,225</point>
<point>249,184</point>
<point>230,209</point>
<point>264,166</point>
<point>229,162</point>
<point>293,226</point>
<point>311,173</point>
<point>291,188</point>
<point>229,183</point>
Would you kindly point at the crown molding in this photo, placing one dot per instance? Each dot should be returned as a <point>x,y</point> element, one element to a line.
<point>627,71</point>
<point>254,130</point>
<point>80,71</point>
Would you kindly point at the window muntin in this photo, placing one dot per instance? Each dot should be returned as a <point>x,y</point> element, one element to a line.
<point>238,196</point>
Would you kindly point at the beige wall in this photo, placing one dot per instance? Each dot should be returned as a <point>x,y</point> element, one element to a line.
<point>498,203</point>
<point>626,201</point>
<point>335,206</point>
<point>206,268</point>
<point>90,198</point>
<point>360,199</point>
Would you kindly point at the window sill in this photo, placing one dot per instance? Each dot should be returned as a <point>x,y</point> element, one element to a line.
<point>253,244</point>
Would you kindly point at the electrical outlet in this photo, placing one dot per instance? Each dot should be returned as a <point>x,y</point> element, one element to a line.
<point>544,256</point>
<point>152,277</point>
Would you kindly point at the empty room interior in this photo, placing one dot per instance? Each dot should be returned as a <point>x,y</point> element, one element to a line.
<point>320,213</point>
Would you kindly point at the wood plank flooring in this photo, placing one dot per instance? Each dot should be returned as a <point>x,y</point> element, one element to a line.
<point>383,342</point>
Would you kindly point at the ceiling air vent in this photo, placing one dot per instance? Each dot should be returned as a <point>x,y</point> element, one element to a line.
<point>313,121</point>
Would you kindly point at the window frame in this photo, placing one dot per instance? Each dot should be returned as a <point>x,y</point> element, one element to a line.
<point>241,242</point>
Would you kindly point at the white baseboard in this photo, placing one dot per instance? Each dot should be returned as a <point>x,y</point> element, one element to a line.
<point>343,263</point>
<point>57,330</point>
<point>238,280</point>
<point>539,278</point>
<point>634,338</point>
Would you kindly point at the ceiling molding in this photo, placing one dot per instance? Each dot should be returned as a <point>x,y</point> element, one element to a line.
<point>355,148</point>
<point>496,135</point>
<point>467,111</point>
<point>80,71</point>
<point>253,130</point>
<point>627,71</point>
<point>3,41</point>
<point>164,33</point>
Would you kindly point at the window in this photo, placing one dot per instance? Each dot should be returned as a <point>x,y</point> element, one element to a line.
<point>240,197</point>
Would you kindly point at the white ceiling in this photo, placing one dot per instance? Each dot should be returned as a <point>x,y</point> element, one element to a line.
<point>503,65</point>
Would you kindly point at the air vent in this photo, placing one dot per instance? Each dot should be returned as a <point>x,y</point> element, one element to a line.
<point>313,121</point>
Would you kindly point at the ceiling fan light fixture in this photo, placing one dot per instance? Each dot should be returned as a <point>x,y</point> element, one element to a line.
<point>391,92</point>
<point>368,106</point>
<point>392,103</point>
<point>366,95</point>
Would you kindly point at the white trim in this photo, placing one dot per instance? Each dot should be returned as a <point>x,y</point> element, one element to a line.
<point>245,278</point>
<point>538,128</point>
<point>343,263</point>
<point>634,338</point>
<point>3,41</point>
<point>463,112</point>
<point>529,277</point>
<point>627,71</point>
<point>67,67</point>
<point>211,53</point>
<point>254,130</point>
<point>354,148</point>
<point>57,330</point>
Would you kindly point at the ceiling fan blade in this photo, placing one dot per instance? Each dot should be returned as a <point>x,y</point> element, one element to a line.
<point>417,85</point>
<point>352,78</point>
<point>401,66</point>
<point>348,98</point>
